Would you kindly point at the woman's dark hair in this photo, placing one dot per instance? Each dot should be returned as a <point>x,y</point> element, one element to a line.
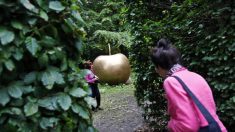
<point>165,55</point>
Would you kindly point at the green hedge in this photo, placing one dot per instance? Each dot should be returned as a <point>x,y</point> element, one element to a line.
<point>204,31</point>
<point>41,88</point>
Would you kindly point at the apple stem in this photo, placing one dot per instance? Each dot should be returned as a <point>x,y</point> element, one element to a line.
<point>109,49</point>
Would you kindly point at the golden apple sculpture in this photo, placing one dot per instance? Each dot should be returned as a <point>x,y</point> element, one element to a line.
<point>112,69</point>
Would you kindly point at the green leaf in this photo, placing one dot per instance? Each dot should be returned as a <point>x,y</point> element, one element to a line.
<point>77,92</point>
<point>48,122</point>
<point>52,76</point>
<point>32,21</point>
<point>40,2</point>
<point>56,5</point>
<point>59,78</point>
<point>91,101</point>
<point>29,6</point>
<point>18,55</point>
<point>77,16</point>
<point>78,45</point>
<point>233,98</point>
<point>48,41</point>
<point>27,89</point>
<point>80,2</point>
<point>30,77</point>
<point>6,36</point>
<point>49,103</point>
<point>43,15</point>
<point>43,59</point>
<point>64,65</point>
<point>43,4</point>
<point>17,25</point>
<point>15,91</point>
<point>4,97</point>
<point>30,108</point>
<point>48,79</point>
<point>208,58</point>
<point>80,110</point>
<point>32,45</point>
<point>64,101</point>
<point>66,28</point>
<point>9,65</point>
<point>11,111</point>
<point>70,24</point>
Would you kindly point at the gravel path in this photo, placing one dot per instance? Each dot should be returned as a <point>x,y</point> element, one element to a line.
<point>120,111</point>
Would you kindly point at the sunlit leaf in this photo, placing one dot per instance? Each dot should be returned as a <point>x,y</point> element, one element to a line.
<point>56,5</point>
<point>30,77</point>
<point>77,16</point>
<point>6,36</point>
<point>64,101</point>
<point>43,15</point>
<point>77,92</point>
<point>29,6</point>
<point>49,103</point>
<point>27,89</point>
<point>52,76</point>
<point>48,122</point>
<point>9,65</point>
<point>15,91</point>
<point>32,45</point>
<point>78,109</point>
<point>30,108</point>
<point>18,55</point>
<point>90,101</point>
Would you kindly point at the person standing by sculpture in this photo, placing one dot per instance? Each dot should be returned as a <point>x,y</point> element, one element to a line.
<point>189,98</point>
<point>92,81</point>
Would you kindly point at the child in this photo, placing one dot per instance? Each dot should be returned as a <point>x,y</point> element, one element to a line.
<point>92,81</point>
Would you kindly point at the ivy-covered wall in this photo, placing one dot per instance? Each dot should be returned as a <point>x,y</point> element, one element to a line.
<point>41,87</point>
<point>204,31</point>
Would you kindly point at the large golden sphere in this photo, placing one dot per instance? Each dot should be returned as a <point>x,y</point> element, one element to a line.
<point>112,69</point>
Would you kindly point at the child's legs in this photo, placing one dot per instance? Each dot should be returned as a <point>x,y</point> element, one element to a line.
<point>93,91</point>
<point>97,94</point>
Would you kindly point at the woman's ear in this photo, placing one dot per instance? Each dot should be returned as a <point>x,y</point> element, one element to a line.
<point>161,71</point>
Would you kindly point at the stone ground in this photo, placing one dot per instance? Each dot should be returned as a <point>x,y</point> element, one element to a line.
<point>120,111</point>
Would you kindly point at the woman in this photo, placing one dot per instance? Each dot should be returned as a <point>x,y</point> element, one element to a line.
<point>184,114</point>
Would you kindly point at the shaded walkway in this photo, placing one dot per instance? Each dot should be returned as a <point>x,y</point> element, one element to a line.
<point>120,111</point>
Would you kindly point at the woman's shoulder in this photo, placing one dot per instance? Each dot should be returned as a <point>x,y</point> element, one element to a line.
<point>191,79</point>
<point>170,82</point>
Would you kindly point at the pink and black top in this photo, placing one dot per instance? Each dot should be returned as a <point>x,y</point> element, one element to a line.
<point>184,114</point>
<point>90,77</point>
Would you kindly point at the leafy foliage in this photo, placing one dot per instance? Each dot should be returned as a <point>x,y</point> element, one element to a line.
<point>41,87</point>
<point>106,24</point>
<point>204,33</point>
<point>117,39</point>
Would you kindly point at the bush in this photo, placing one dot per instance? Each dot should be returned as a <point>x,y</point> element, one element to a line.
<point>41,87</point>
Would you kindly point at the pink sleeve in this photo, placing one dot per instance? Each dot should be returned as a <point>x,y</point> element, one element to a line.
<point>180,108</point>
<point>90,78</point>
